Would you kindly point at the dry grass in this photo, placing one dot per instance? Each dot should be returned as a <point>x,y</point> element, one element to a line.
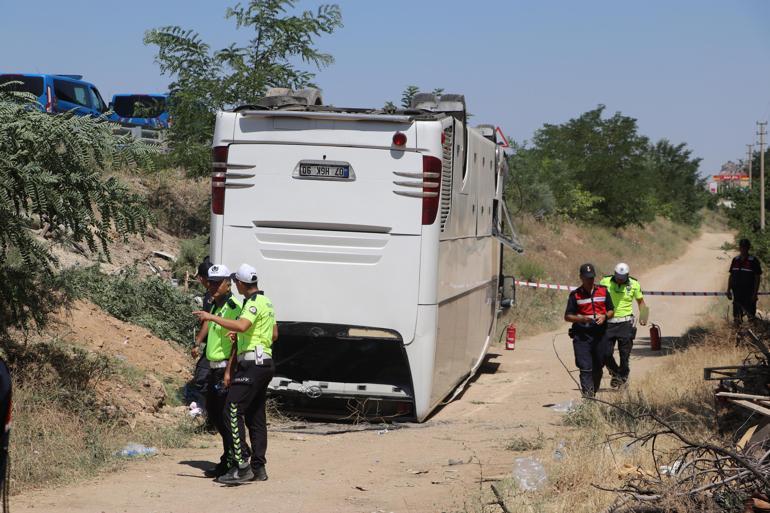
<point>674,390</point>
<point>62,430</point>
<point>52,444</point>
<point>179,203</point>
<point>715,221</point>
<point>523,443</point>
<point>555,249</point>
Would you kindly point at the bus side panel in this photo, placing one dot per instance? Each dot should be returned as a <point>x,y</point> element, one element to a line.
<point>421,354</point>
<point>467,303</point>
<point>485,187</point>
<point>468,270</point>
<point>462,213</point>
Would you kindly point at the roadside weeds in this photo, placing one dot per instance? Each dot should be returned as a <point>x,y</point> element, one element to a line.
<point>599,453</point>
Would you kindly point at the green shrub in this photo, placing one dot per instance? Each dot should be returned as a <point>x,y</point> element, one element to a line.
<point>56,171</point>
<point>150,302</point>
<point>69,371</point>
<point>522,443</point>
<point>181,205</point>
<point>530,270</point>
<point>191,253</point>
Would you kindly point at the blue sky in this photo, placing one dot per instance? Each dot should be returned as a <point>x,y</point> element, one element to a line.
<point>692,71</point>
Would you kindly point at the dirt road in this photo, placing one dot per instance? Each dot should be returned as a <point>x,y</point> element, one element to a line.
<point>403,470</point>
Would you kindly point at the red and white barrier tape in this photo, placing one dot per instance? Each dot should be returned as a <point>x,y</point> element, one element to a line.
<point>551,286</point>
<point>538,285</point>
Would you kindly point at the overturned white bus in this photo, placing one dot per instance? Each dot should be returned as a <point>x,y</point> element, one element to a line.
<point>377,236</point>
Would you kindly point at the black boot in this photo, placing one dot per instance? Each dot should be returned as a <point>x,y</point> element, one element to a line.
<point>260,474</point>
<point>237,475</point>
<point>219,470</point>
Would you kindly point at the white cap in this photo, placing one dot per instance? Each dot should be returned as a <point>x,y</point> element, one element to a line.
<point>218,272</point>
<point>621,269</point>
<point>245,274</point>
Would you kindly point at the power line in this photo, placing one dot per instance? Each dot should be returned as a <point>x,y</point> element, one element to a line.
<point>762,132</point>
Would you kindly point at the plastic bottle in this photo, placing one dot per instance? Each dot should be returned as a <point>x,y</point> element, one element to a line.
<point>133,450</point>
<point>558,454</point>
<point>528,473</point>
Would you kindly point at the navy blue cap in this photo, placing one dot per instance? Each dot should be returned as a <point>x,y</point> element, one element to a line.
<point>203,268</point>
<point>587,271</point>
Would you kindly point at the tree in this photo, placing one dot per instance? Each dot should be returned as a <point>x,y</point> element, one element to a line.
<point>204,81</point>
<point>678,191</point>
<point>408,95</point>
<point>54,171</point>
<point>744,216</point>
<point>601,170</point>
<point>527,189</point>
<point>600,163</point>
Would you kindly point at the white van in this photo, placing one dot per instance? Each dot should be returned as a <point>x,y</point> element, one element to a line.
<point>373,234</point>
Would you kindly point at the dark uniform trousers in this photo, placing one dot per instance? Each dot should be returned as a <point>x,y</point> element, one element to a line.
<point>215,406</point>
<point>590,354</point>
<point>197,387</point>
<point>245,409</point>
<point>744,304</point>
<point>743,273</point>
<point>6,389</point>
<point>623,334</point>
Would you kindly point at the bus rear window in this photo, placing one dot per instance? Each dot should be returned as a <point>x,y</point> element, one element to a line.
<point>139,106</point>
<point>32,85</point>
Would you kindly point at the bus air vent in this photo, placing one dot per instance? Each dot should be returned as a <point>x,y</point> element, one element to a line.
<point>446,171</point>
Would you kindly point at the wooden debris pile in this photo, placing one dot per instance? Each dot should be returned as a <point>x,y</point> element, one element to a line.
<point>713,475</point>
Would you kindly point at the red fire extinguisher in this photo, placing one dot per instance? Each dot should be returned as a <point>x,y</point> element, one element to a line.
<point>655,337</point>
<point>510,337</point>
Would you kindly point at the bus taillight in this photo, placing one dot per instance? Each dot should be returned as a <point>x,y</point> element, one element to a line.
<point>218,172</point>
<point>431,187</point>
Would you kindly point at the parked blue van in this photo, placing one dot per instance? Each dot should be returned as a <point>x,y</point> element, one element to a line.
<point>144,110</point>
<point>59,93</point>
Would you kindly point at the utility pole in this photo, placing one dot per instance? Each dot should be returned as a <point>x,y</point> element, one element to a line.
<point>750,156</point>
<point>762,132</point>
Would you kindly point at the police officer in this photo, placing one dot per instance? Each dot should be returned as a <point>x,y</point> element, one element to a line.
<point>6,389</point>
<point>743,284</point>
<point>197,389</point>
<point>247,376</point>
<point>623,290</point>
<point>218,351</point>
<point>588,308</point>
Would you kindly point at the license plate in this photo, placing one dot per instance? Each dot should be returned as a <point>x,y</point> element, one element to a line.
<point>323,170</point>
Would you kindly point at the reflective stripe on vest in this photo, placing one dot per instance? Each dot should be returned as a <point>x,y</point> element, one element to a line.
<point>739,264</point>
<point>591,304</point>
<point>596,299</point>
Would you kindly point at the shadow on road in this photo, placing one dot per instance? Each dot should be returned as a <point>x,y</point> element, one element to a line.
<point>199,464</point>
<point>487,367</point>
<point>669,345</point>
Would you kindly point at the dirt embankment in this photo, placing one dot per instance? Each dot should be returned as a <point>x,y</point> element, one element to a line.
<point>87,325</point>
<point>135,251</point>
<point>149,368</point>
